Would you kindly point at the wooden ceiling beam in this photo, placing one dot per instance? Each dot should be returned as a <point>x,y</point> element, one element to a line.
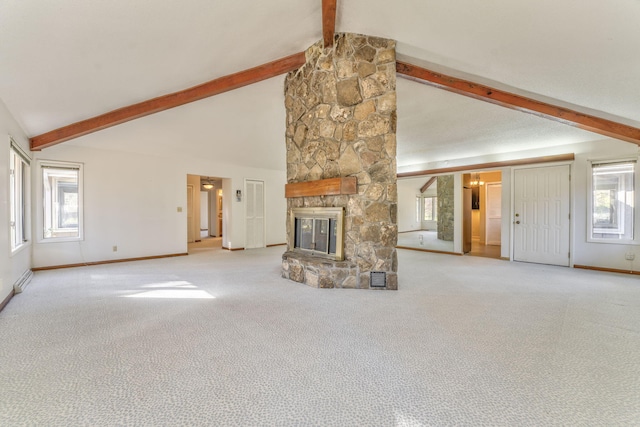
<point>328,21</point>
<point>165,102</point>
<point>427,184</point>
<point>492,165</point>
<point>516,102</point>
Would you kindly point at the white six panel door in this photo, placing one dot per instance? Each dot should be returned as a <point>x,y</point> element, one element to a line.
<point>541,221</point>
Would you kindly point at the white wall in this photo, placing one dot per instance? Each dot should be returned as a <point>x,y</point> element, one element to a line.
<point>204,211</point>
<point>131,200</point>
<point>605,255</point>
<point>458,208</point>
<point>12,266</point>
<point>213,209</point>
<point>228,224</point>
<point>408,189</point>
<point>505,232</point>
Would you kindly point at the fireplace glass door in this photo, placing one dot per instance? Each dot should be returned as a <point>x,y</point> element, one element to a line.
<point>321,235</point>
<point>312,234</point>
<point>304,233</point>
<point>333,235</point>
<point>318,232</point>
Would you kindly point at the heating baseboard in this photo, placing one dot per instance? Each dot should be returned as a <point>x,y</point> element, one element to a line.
<point>23,281</point>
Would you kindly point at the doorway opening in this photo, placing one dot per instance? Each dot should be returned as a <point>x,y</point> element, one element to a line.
<point>205,226</point>
<point>482,214</point>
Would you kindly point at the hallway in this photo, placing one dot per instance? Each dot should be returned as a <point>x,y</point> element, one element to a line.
<point>487,251</point>
<point>207,244</point>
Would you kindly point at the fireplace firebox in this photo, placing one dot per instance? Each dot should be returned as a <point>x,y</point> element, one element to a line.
<point>318,231</point>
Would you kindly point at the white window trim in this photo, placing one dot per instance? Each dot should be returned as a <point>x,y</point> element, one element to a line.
<point>40,201</point>
<point>636,200</point>
<point>26,194</point>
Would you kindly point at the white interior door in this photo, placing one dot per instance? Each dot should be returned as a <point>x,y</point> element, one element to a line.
<point>541,209</point>
<point>254,191</point>
<point>493,213</point>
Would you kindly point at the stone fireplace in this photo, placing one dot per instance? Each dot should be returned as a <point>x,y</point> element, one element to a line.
<point>341,148</point>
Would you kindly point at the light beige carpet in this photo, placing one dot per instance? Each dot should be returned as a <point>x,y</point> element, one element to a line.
<point>218,338</point>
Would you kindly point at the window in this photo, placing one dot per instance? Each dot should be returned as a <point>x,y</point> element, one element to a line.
<point>18,196</point>
<point>62,201</point>
<point>612,201</point>
<point>430,209</point>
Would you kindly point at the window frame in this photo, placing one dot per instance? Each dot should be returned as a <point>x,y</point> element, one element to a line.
<point>19,198</point>
<point>635,222</point>
<point>40,221</point>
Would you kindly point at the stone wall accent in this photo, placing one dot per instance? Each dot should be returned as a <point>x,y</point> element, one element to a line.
<point>341,121</point>
<point>445,208</point>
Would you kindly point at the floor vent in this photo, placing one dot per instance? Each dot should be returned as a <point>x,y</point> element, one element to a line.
<point>23,281</point>
<point>378,279</point>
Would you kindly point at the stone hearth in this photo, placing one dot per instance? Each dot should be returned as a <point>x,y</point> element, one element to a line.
<point>319,272</point>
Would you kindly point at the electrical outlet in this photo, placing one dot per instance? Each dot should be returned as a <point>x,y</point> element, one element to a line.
<point>115,249</point>
<point>629,256</point>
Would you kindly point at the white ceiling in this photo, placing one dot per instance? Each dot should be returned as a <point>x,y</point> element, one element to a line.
<point>213,128</point>
<point>435,126</point>
<point>68,60</point>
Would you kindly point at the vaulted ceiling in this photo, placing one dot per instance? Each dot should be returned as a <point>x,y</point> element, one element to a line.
<point>69,60</point>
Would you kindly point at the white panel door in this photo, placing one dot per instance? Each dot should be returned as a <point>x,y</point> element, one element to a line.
<point>541,209</point>
<point>493,213</point>
<point>254,191</point>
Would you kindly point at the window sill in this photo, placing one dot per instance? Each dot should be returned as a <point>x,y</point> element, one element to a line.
<point>20,248</point>
<point>614,242</point>
<point>60,240</point>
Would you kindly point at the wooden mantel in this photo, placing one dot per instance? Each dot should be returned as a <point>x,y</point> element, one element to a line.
<point>322,187</point>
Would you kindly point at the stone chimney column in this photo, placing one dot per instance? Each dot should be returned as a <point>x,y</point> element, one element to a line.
<point>341,122</point>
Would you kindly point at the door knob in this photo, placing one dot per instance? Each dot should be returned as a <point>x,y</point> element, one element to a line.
<point>517,222</point>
